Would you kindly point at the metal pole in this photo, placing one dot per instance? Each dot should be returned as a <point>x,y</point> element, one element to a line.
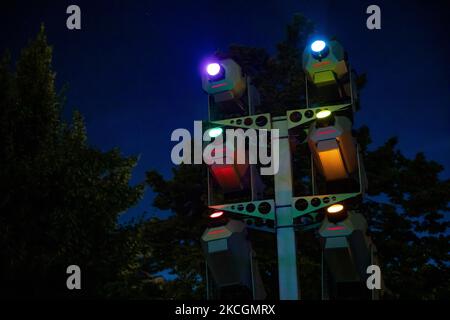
<point>253,277</point>
<point>286,246</point>
<point>207,281</point>
<point>322,275</point>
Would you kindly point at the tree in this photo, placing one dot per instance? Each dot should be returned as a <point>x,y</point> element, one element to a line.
<point>408,224</point>
<point>408,228</point>
<point>59,197</point>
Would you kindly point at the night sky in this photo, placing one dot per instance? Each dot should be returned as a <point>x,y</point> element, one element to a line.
<point>133,68</point>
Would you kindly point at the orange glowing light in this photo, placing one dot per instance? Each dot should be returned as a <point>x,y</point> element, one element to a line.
<point>332,164</point>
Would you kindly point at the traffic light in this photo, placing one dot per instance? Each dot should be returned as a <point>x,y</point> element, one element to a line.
<point>230,91</point>
<point>332,146</point>
<point>325,62</point>
<point>231,260</point>
<point>222,164</point>
<point>346,246</point>
<point>326,66</point>
<point>224,80</point>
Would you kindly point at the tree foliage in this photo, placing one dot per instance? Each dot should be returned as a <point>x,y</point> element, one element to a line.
<point>59,197</point>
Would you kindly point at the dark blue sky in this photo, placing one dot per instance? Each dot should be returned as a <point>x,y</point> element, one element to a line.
<point>133,69</point>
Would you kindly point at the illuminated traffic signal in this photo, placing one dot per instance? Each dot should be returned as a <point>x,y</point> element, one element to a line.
<point>324,62</point>
<point>224,80</point>
<point>226,172</point>
<point>326,66</point>
<point>229,89</point>
<point>333,146</point>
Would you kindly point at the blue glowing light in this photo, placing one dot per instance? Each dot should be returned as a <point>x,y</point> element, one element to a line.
<point>318,45</point>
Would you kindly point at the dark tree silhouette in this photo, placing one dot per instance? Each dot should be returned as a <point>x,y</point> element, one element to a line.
<point>59,197</point>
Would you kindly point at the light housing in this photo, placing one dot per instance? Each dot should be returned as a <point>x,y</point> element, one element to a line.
<point>223,80</point>
<point>325,63</point>
<point>333,148</point>
<point>226,172</point>
<point>229,257</point>
<point>346,247</point>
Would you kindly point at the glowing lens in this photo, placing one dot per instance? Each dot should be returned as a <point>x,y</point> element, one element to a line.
<point>335,208</point>
<point>213,69</point>
<point>318,45</point>
<point>323,114</point>
<point>216,214</point>
<point>215,132</point>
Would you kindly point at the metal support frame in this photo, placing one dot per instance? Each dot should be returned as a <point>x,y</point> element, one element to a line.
<point>286,244</point>
<point>252,275</point>
<point>289,288</point>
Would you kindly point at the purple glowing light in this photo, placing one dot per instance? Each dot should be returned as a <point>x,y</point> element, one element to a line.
<point>213,69</point>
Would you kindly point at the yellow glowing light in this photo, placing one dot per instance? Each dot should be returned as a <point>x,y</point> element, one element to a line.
<point>335,208</point>
<point>332,164</point>
<point>323,114</point>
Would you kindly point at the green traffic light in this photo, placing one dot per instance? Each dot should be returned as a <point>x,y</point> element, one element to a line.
<point>215,132</point>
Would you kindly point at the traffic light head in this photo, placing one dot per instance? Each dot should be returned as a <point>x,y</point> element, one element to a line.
<point>224,80</point>
<point>229,175</point>
<point>346,246</point>
<point>230,256</point>
<point>333,147</point>
<point>324,62</point>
